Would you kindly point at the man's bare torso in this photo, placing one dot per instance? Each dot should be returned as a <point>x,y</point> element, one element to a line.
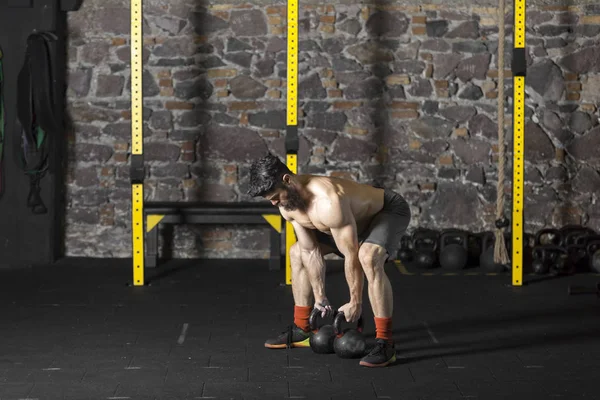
<point>364,200</point>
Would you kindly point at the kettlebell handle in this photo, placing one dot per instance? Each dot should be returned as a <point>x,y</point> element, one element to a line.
<point>340,318</point>
<point>425,235</point>
<point>555,251</point>
<point>549,231</point>
<point>593,246</point>
<point>314,315</point>
<point>426,244</point>
<point>454,233</point>
<point>547,252</point>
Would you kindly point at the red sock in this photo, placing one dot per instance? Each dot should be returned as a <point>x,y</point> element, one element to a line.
<point>301,314</point>
<point>383,327</point>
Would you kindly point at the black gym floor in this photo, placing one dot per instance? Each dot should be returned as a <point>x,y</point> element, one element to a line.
<point>76,331</point>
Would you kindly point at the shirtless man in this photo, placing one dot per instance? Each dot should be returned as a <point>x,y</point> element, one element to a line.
<point>360,223</point>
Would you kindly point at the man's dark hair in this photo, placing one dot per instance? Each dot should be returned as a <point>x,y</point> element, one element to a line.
<point>266,174</point>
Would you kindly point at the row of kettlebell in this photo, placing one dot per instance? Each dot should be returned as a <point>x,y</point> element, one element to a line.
<point>451,249</point>
<point>328,339</point>
<point>570,249</point>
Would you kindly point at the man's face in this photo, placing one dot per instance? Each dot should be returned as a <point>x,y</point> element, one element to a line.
<point>288,198</point>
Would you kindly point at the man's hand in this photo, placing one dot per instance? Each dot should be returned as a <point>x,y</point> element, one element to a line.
<point>352,311</point>
<point>325,307</point>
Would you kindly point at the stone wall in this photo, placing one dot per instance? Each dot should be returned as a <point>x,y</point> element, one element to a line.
<point>403,96</point>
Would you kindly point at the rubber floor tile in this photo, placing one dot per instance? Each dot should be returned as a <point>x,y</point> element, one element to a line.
<point>13,391</point>
<point>197,354</point>
<point>183,390</point>
<point>328,390</point>
<point>250,358</point>
<point>176,374</point>
<point>310,375</point>
<point>57,375</point>
<point>89,363</point>
<point>307,358</point>
<point>148,361</point>
<point>416,390</point>
<point>247,391</point>
<point>532,373</point>
<point>16,375</point>
<point>72,391</point>
<point>497,390</point>
<point>572,388</point>
<point>232,340</point>
<point>125,375</point>
<point>444,373</point>
<point>139,389</point>
<point>28,361</point>
<point>350,371</point>
<point>480,358</point>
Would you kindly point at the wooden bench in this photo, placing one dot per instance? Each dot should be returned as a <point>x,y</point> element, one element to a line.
<point>215,213</point>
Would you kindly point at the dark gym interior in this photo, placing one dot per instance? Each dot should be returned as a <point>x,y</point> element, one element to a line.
<point>136,264</point>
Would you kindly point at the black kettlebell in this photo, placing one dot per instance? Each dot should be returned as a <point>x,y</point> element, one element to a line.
<point>321,341</point>
<point>349,343</point>
<point>405,253</point>
<point>454,249</point>
<point>486,258</point>
<point>541,261</point>
<point>557,257</point>
<point>593,251</point>
<point>425,245</point>
<point>574,241</point>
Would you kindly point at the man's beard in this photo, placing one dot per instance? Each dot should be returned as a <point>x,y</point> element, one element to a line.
<point>294,201</point>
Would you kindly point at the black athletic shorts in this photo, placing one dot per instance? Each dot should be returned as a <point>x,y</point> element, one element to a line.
<point>386,228</point>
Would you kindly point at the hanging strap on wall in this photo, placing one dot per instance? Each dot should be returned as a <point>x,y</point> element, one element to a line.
<point>2,126</point>
<point>36,122</point>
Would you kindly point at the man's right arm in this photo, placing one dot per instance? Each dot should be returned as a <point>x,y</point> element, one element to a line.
<point>312,260</point>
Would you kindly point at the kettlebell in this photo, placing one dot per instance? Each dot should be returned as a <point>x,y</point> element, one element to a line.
<point>405,253</point>
<point>454,249</point>
<point>321,341</point>
<point>546,258</point>
<point>593,251</point>
<point>425,245</point>
<point>574,241</point>
<point>557,258</point>
<point>577,259</point>
<point>486,259</point>
<point>541,261</point>
<point>349,343</point>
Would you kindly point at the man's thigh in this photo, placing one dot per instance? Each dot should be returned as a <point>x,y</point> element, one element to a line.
<point>386,230</point>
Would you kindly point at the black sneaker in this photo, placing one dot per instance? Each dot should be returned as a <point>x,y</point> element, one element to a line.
<point>382,355</point>
<point>291,337</point>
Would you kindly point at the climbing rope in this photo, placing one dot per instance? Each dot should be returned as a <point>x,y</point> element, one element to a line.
<point>500,252</point>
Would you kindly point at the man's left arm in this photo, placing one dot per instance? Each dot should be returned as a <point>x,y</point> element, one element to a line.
<point>337,215</point>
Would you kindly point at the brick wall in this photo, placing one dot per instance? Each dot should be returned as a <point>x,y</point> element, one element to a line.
<point>403,96</point>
